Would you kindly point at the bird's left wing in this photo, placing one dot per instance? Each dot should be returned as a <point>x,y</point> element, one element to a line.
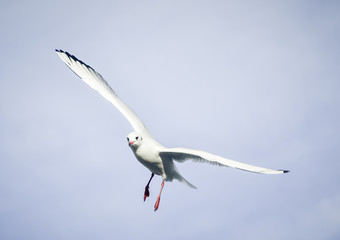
<point>97,82</point>
<point>184,154</point>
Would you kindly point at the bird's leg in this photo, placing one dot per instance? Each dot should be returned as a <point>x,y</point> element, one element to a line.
<point>147,193</point>
<point>159,197</point>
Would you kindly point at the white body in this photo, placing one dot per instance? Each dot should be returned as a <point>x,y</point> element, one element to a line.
<point>157,158</point>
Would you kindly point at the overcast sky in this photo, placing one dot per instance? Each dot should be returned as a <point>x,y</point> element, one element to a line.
<point>254,81</point>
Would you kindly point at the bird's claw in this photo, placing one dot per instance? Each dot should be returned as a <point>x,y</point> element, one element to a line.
<point>146,193</point>
<point>157,204</point>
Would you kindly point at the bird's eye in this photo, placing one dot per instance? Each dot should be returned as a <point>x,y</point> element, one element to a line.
<point>128,139</point>
<point>137,138</point>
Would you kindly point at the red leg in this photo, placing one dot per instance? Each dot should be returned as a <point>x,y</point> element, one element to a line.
<point>147,193</point>
<point>159,197</point>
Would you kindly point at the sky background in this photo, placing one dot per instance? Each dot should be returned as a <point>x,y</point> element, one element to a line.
<point>253,81</point>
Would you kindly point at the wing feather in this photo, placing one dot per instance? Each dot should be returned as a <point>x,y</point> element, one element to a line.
<point>185,154</point>
<point>97,82</point>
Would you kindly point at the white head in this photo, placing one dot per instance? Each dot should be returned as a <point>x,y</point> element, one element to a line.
<point>134,139</point>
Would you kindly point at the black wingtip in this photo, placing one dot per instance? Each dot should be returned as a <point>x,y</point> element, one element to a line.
<point>62,51</point>
<point>65,52</point>
<point>285,171</point>
<point>71,56</point>
<point>74,58</point>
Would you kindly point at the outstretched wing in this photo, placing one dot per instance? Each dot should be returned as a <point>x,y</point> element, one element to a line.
<point>184,154</point>
<point>97,82</point>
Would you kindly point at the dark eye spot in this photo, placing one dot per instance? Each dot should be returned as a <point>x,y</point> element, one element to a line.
<point>137,138</point>
<point>128,139</point>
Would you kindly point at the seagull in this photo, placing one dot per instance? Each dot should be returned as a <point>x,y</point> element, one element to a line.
<point>148,151</point>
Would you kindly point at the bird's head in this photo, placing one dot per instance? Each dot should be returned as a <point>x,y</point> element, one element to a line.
<point>134,139</point>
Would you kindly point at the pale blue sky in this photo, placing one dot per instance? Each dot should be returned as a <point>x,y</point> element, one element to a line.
<point>254,82</point>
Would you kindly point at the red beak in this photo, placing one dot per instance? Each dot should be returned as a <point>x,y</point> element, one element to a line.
<point>130,143</point>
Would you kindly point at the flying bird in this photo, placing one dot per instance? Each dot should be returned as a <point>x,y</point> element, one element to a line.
<point>148,151</point>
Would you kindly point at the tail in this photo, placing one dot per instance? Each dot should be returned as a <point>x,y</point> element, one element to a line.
<point>183,180</point>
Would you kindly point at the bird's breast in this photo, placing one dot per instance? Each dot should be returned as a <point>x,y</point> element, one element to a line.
<point>150,159</point>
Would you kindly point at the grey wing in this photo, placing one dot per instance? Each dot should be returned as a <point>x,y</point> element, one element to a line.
<point>97,82</point>
<point>184,154</point>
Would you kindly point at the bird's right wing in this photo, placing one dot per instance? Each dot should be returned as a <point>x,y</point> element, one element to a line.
<point>97,82</point>
<point>184,154</point>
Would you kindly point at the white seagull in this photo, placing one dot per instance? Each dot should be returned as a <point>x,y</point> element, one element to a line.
<point>149,152</point>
